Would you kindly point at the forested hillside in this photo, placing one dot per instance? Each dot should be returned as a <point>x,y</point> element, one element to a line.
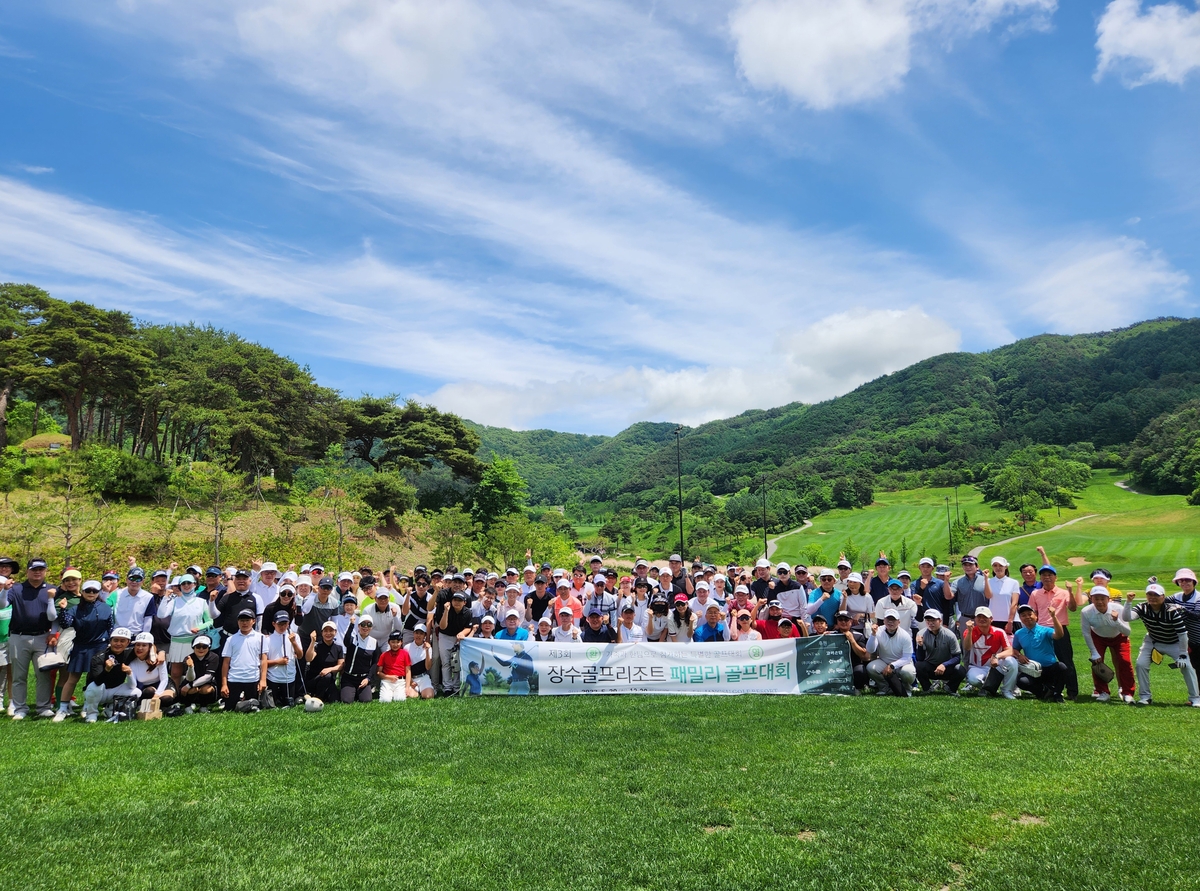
<point>943,420</point>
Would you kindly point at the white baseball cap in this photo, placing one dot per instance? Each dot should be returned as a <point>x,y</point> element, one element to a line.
<point>511,614</point>
<point>925,561</point>
<point>763,563</point>
<point>1000,561</point>
<point>854,577</point>
<point>784,566</point>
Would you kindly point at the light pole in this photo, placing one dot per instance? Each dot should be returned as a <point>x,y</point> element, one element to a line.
<point>679,480</point>
<point>956,504</point>
<point>949,531</point>
<point>766,556</point>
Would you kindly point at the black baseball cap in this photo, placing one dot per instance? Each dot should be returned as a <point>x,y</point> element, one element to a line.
<point>36,563</point>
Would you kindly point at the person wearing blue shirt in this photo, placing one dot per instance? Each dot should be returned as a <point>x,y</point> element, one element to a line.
<point>826,599</point>
<point>512,627</point>
<point>713,629</point>
<point>1038,669</point>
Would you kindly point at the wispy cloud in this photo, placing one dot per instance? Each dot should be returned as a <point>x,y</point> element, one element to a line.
<point>612,290</point>
<point>35,170</point>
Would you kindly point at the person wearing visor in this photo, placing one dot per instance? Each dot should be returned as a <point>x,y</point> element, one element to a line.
<point>201,671</point>
<point>109,675</point>
<point>92,621</point>
<point>189,614</point>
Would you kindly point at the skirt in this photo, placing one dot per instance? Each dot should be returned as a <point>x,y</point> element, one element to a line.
<point>81,657</point>
<point>180,650</point>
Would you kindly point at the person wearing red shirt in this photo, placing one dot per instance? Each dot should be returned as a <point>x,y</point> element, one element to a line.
<point>981,643</point>
<point>394,670</point>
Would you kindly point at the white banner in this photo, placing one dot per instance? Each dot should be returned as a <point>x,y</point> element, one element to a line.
<point>800,665</point>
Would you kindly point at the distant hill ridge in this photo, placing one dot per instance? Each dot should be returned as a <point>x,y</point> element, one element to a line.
<point>956,410</point>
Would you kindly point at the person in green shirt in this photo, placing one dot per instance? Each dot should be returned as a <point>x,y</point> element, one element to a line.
<point>8,567</point>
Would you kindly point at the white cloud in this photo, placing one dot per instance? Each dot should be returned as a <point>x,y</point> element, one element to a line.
<point>800,364</point>
<point>35,170</point>
<point>826,53</point>
<point>1101,284</point>
<point>496,126</point>
<point>1160,44</point>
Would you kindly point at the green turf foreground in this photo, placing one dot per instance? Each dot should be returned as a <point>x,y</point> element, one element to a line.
<point>612,793</point>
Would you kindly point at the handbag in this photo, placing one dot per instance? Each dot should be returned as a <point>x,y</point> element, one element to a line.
<point>50,660</point>
<point>1103,673</point>
<point>266,699</point>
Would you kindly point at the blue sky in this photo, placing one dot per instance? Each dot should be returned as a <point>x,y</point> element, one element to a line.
<point>579,214</point>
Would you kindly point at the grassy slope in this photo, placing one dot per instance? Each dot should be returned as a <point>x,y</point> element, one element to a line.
<point>1133,536</point>
<point>611,793</point>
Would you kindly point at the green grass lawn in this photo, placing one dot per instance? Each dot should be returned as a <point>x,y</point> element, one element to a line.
<point>612,793</point>
<point>1133,536</point>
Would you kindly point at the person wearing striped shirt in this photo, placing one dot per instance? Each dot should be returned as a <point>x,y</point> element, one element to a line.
<point>1188,600</point>
<point>1166,632</point>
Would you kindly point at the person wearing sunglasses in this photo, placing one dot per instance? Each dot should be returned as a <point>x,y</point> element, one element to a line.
<point>743,627</point>
<point>198,690</point>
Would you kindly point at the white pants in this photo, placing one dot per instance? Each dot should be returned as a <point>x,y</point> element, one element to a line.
<point>908,671</point>
<point>1178,652</point>
<point>392,691</point>
<point>95,695</point>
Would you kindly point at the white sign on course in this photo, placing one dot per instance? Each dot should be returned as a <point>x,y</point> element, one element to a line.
<point>801,665</point>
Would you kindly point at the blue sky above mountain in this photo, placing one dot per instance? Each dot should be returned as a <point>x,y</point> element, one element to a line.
<point>579,215</point>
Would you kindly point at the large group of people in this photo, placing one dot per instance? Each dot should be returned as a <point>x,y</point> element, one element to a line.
<point>245,638</point>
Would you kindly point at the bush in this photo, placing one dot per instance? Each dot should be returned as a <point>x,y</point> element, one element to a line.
<point>116,474</point>
<point>388,494</point>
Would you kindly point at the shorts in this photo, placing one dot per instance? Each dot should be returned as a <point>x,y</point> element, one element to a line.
<point>422,683</point>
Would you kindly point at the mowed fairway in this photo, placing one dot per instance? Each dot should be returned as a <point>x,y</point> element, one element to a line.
<point>1133,536</point>
<point>612,793</point>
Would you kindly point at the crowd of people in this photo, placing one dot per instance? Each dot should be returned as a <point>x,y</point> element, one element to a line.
<point>245,638</point>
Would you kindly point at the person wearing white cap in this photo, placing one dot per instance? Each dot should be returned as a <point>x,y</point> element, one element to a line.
<point>699,604</point>
<point>825,600</point>
<point>512,629</point>
<point>939,655</point>
<point>1102,628</point>
<point>263,583</point>
<point>512,600</point>
<point>420,657</point>
<point>544,630</point>
<point>857,601</point>
<point>760,587</point>
<point>198,689</point>
<point>109,675</point>
<point>984,643</point>
<point>566,597</point>
<point>151,680</point>
<point>384,614</point>
<point>1005,590</point>
<point>1166,634</point>
<point>892,646</point>
<point>932,590</point>
<point>324,659</point>
<point>566,631</point>
<point>1188,600</point>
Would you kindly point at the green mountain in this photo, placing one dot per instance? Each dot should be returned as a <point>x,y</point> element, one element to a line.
<point>940,420</point>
